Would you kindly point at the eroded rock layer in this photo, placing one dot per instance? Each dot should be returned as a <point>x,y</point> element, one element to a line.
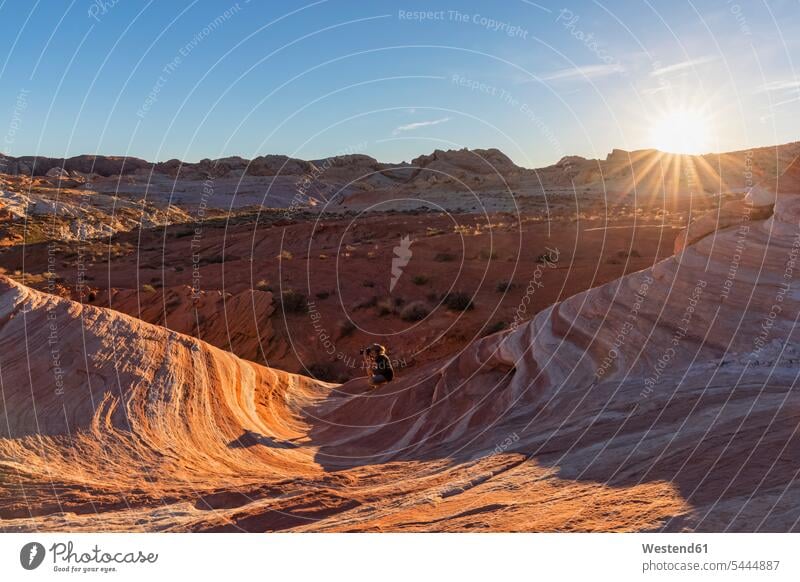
<point>663,400</point>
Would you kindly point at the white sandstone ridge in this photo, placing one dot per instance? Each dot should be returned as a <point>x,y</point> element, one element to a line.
<point>456,180</point>
<point>83,215</point>
<point>757,163</point>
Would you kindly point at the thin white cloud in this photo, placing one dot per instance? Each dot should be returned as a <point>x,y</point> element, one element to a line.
<point>674,68</point>
<point>785,101</point>
<point>586,72</point>
<point>654,90</point>
<point>778,86</point>
<point>418,124</point>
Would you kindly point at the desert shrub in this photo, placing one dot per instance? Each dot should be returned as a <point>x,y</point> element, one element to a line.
<point>433,297</point>
<point>386,307</point>
<point>263,285</point>
<point>634,253</point>
<point>369,284</point>
<point>415,311</point>
<point>294,302</point>
<point>366,303</point>
<point>285,255</point>
<point>323,295</point>
<point>444,257</point>
<point>458,301</point>
<point>485,254</point>
<point>495,327</point>
<point>147,288</point>
<point>503,286</point>
<point>420,280</point>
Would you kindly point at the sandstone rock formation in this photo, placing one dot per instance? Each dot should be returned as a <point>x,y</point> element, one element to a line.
<point>664,400</point>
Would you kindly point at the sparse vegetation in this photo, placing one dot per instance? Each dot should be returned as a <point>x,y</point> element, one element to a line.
<point>147,288</point>
<point>420,280</point>
<point>415,311</point>
<point>486,254</point>
<point>503,286</point>
<point>544,258</point>
<point>323,295</point>
<point>263,285</point>
<point>386,307</point>
<point>294,302</point>
<point>285,255</point>
<point>458,301</point>
<point>366,303</point>
<point>444,257</point>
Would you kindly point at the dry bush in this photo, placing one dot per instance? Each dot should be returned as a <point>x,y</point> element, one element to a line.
<point>294,302</point>
<point>458,301</point>
<point>415,311</point>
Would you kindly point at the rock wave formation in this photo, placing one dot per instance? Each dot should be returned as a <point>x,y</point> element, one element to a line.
<point>664,400</point>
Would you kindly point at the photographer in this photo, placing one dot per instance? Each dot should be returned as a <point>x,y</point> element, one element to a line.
<point>375,358</point>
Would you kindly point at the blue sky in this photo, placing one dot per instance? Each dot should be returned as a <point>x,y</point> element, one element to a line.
<point>161,80</point>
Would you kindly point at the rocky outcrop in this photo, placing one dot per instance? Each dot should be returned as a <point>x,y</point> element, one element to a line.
<point>664,400</point>
<point>681,373</point>
<point>731,214</point>
<point>459,162</point>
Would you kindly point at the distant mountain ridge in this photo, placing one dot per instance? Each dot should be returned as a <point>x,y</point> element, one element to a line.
<point>621,170</point>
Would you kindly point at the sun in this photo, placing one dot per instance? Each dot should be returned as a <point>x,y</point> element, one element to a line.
<point>681,131</point>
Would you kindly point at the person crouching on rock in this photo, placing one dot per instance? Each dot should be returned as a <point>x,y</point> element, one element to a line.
<point>380,364</point>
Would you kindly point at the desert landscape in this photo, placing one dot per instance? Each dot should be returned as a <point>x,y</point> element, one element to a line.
<point>332,269</point>
<point>596,345</point>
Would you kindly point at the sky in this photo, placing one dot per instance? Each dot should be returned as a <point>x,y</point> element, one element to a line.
<point>394,80</point>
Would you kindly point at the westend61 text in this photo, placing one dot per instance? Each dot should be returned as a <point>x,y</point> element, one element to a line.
<point>675,549</point>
